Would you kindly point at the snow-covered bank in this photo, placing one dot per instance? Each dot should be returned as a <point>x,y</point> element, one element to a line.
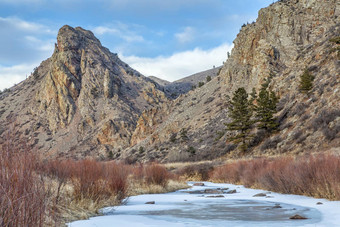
<point>192,207</point>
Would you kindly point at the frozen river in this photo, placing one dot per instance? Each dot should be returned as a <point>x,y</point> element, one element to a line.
<point>218,205</point>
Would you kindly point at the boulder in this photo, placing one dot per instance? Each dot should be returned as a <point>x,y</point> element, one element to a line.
<point>150,202</point>
<point>231,191</point>
<point>212,191</point>
<point>297,217</point>
<point>260,195</point>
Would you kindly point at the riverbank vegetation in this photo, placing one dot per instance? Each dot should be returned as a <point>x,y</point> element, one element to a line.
<point>37,192</point>
<point>313,175</point>
<point>52,192</point>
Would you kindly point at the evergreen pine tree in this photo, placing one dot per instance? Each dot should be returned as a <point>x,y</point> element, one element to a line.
<point>266,108</point>
<point>253,97</point>
<point>306,81</point>
<point>240,112</point>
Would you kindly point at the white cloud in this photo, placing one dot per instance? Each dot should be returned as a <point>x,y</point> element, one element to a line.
<point>180,64</point>
<point>123,31</point>
<point>41,45</point>
<point>26,26</point>
<point>186,36</point>
<point>24,41</point>
<point>14,74</point>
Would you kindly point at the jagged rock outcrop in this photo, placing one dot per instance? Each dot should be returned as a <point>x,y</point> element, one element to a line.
<point>87,100</point>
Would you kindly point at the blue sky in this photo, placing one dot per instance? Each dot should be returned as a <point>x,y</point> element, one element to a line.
<point>165,38</point>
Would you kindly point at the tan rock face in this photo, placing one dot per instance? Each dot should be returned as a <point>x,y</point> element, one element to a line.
<point>147,123</point>
<point>87,97</point>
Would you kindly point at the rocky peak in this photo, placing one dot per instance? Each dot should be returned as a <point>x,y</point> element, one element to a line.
<point>80,68</point>
<point>75,38</point>
<point>86,95</point>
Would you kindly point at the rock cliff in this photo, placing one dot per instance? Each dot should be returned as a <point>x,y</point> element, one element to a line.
<point>87,100</point>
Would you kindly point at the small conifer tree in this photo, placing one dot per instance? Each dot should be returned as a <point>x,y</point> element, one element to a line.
<point>266,108</point>
<point>306,81</point>
<point>240,112</point>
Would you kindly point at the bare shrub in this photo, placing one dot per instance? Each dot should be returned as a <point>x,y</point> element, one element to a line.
<point>196,171</point>
<point>258,138</point>
<point>282,102</point>
<point>331,133</point>
<point>23,198</point>
<point>321,122</point>
<point>285,125</point>
<point>116,179</point>
<point>298,109</point>
<point>296,135</point>
<point>305,117</point>
<point>156,174</point>
<point>324,118</point>
<point>178,156</point>
<point>317,176</point>
<point>90,179</point>
<point>86,179</point>
<point>231,172</point>
<point>271,143</point>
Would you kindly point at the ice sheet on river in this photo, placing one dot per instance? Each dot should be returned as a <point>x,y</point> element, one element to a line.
<point>205,207</point>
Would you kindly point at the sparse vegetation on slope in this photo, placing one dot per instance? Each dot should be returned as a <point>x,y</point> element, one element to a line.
<point>306,81</point>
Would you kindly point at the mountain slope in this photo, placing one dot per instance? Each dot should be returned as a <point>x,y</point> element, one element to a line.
<point>82,101</point>
<point>287,38</point>
<point>184,85</point>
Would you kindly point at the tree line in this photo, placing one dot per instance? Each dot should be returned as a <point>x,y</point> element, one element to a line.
<point>247,111</point>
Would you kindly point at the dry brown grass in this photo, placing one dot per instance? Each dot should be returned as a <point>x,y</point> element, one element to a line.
<point>138,188</point>
<point>314,175</point>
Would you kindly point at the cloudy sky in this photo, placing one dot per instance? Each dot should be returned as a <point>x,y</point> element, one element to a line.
<point>165,38</point>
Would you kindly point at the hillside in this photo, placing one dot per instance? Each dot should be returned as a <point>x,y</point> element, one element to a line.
<point>287,38</point>
<point>84,101</point>
<point>184,85</point>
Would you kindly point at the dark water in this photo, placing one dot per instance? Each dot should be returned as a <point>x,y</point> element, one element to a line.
<point>200,209</point>
<point>240,210</point>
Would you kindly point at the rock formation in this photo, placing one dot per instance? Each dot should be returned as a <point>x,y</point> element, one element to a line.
<point>87,100</point>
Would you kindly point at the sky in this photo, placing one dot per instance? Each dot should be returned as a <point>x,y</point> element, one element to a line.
<point>169,39</point>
